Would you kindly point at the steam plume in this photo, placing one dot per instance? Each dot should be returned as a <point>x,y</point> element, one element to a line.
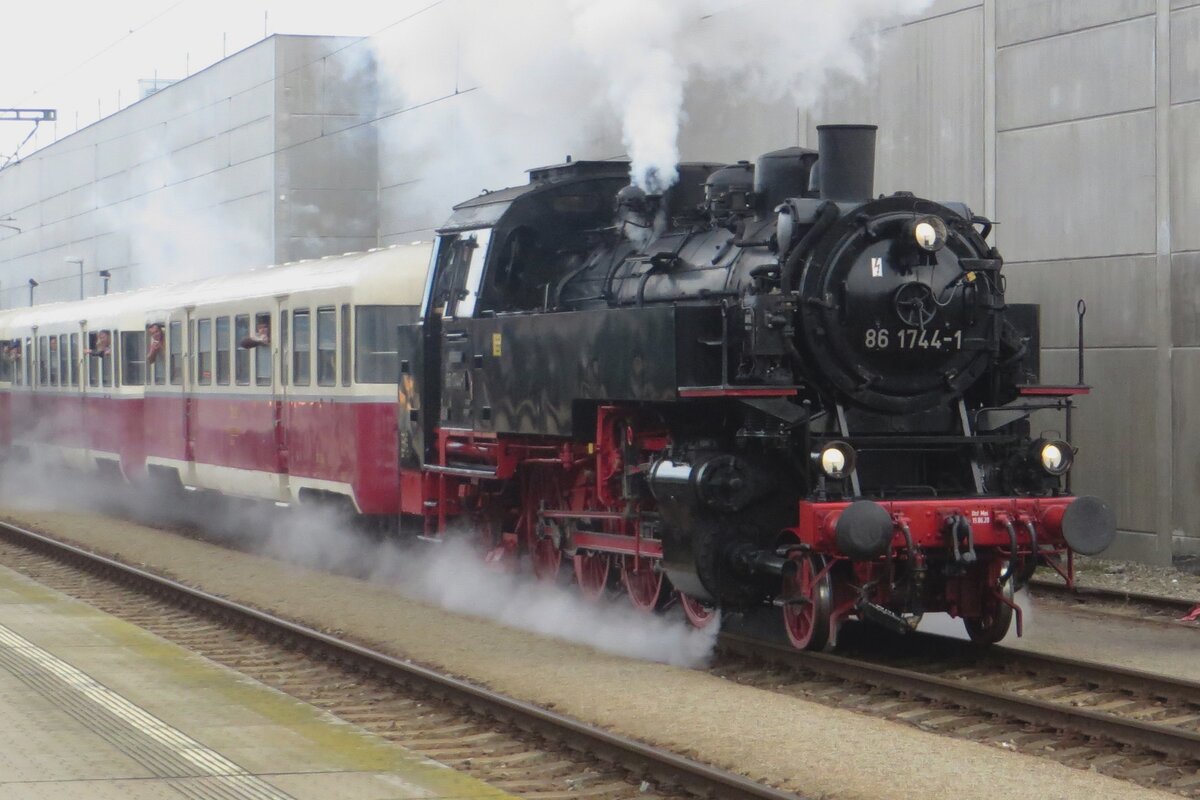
<point>548,76</point>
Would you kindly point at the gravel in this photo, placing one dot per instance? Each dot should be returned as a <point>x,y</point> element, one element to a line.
<point>1132,576</point>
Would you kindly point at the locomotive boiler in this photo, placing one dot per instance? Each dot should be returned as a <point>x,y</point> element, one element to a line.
<point>765,385</point>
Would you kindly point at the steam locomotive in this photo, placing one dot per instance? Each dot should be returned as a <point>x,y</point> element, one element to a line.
<point>763,385</point>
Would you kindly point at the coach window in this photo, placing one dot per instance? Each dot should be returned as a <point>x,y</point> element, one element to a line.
<point>262,348</point>
<point>301,348</point>
<point>204,352</point>
<point>175,349</point>
<point>53,359</point>
<point>10,361</point>
<point>156,354</point>
<point>133,358</point>
<point>345,344</point>
<point>74,359</point>
<point>92,364</point>
<point>29,361</point>
<point>326,347</point>
<point>64,360</point>
<point>107,363</point>
<point>100,360</point>
<point>241,356</point>
<point>223,342</point>
<point>376,341</point>
<point>283,348</point>
<point>43,361</point>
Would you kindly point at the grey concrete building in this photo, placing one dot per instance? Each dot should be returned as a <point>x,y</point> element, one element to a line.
<point>266,156</point>
<point>1073,124</point>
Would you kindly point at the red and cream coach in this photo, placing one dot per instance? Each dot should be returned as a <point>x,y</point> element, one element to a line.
<point>277,384</point>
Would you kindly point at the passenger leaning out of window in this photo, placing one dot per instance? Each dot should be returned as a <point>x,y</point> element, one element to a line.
<point>101,345</point>
<point>260,338</point>
<point>154,342</point>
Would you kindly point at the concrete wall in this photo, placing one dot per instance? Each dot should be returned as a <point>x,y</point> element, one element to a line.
<point>266,156</point>
<point>1073,125</point>
<point>326,154</point>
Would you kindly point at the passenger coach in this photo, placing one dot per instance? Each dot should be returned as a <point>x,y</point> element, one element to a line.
<point>277,384</point>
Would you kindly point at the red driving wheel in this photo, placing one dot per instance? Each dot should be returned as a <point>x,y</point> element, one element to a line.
<point>699,613</point>
<point>807,599</point>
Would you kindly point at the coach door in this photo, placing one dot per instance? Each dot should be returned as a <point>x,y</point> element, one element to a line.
<point>271,368</point>
<point>75,402</point>
<point>165,413</point>
<point>187,378</point>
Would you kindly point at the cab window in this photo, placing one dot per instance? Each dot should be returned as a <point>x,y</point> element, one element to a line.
<point>459,270</point>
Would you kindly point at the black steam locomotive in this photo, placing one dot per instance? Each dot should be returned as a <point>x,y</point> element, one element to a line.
<point>763,385</point>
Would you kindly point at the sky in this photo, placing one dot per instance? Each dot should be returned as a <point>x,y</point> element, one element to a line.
<point>85,59</point>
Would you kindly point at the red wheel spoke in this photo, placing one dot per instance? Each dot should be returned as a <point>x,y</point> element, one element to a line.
<point>807,604</point>
<point>591,572</point>
<point>642,582</point>
<point>698,613</point>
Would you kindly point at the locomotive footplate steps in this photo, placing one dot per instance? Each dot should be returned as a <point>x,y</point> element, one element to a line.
<point>95,707</point>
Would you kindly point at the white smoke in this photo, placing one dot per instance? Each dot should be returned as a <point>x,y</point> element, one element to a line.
<point>548,77</point>
<point>635,46</point>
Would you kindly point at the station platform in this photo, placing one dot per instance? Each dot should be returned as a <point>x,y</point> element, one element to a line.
<point>95,707</point>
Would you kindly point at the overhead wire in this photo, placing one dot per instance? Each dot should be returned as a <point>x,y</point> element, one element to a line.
<point>106,48</point>
<point>9,160</point>
<point>274,79</point>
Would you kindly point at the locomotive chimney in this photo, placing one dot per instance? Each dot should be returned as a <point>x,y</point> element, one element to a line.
<point>846,166</point>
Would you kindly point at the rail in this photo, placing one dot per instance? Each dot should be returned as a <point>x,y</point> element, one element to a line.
<point>635,757</point>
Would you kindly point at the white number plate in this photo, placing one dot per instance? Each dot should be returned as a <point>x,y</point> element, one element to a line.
<point>912,339</point>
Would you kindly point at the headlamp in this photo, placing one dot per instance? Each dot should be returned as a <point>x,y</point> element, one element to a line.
<point>1054,456</point>
<point>836,460</point>
<point>929,233</point>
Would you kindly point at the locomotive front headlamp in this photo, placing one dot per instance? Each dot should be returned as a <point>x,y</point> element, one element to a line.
<point>929,233</point>
<point>836,460</point>
<point>1054,456</point>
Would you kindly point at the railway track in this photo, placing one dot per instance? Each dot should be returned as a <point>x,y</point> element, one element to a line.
<point>513,745</point>
<point>1131,725</point>
<point>1128,724</point>
<point>1153,607</point>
